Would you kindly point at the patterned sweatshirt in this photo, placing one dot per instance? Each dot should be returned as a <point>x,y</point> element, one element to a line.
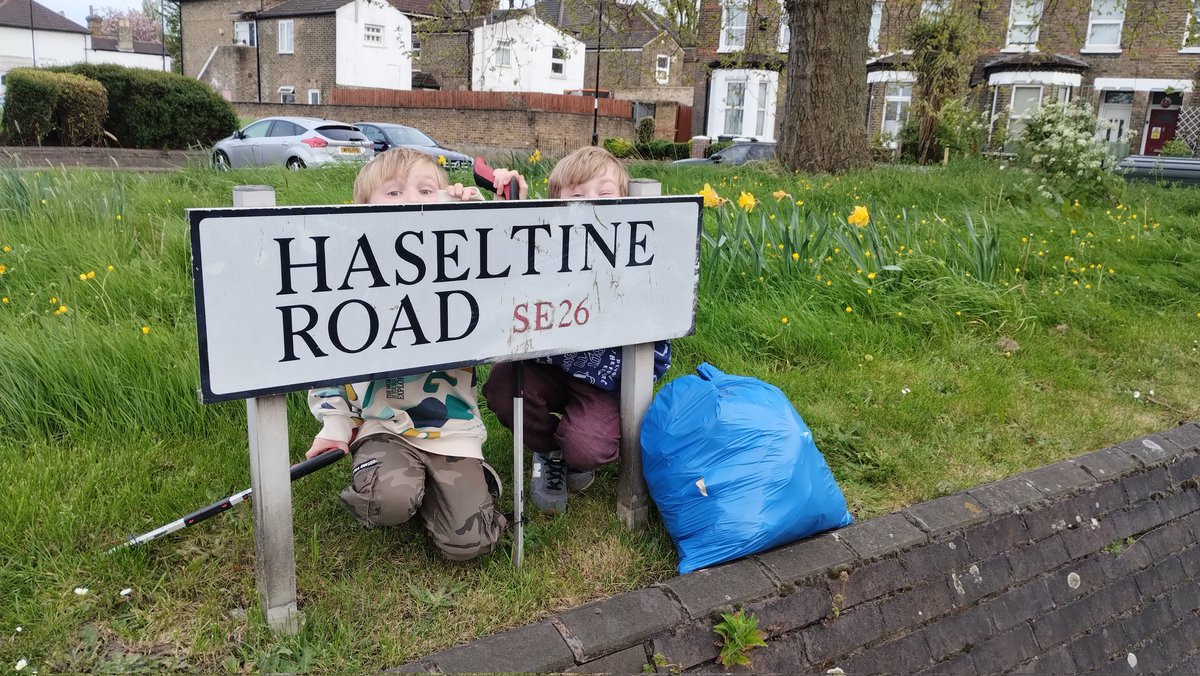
<point>602,368</point>
<point>436,412</point>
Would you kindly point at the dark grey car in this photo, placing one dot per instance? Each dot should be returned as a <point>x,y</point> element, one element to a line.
<point>738,153</point>
<point>386,135</point>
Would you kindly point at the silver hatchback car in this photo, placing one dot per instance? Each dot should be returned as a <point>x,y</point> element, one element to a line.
<point>293,142</point>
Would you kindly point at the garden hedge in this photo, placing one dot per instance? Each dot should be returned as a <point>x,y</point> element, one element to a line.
<point>154,109</point>
<point>45,107</point>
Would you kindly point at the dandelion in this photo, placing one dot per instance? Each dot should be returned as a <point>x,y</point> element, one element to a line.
<point>859,217</point>
<point>441,160</point>
<point>899,313</point>
<point>849,309</point>
<point>145,330</point>
<point>111,268</point>
<point>711,199</point>
<point>837,250</point>
<point>747,201</point>
<point>83,276</point>
<point>118,217</point>
<point>91,274</point>
<point>958,313</point>
<point>800,203</point>
<point>4,300</point>
<point>62,310</point>
<point>829,282</point>
<point>44,202</point>
<point>3,269</point>
<point>870,275</point>
<point>780,194</point>
<point>53,300</point>
<point>6,249</point>
<point>783,320</point>
<point>795,256</point>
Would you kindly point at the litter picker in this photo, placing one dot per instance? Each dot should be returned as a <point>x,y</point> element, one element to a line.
<point>485,178</point>
<point>301,469</point>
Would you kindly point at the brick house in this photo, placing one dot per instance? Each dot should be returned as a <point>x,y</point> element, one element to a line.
<point>297,51</point>
<point>741,52</point>
<point>1134,61</point>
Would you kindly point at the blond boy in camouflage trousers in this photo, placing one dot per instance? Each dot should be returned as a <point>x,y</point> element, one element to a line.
<point>418,439</point>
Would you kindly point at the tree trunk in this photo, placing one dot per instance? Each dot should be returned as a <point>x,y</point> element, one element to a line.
<point>824,112</point>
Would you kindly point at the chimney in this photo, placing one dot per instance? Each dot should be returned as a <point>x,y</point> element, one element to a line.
<point>94,22</point>
<point>124,36</point>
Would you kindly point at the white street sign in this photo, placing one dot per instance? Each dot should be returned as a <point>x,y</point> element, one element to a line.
<point>294,297</point>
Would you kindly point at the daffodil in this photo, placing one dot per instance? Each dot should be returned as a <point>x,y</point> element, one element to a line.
<point>536,156</point>
<point>859,217</point>
<point>747,201</point>
<point>441,160</point>
<point>780,194</point>
<point>711,198</point>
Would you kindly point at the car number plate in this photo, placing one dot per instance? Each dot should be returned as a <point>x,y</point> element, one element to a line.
<point>351,150</point>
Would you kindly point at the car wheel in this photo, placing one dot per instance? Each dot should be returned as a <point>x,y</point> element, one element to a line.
<point>295,163</point>
<point>220,161</point>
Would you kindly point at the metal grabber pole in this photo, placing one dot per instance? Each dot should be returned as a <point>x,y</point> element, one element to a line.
<point>518,463</point>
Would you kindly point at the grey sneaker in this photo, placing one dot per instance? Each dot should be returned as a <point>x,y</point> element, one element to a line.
<point>549,490</point>
<point>492,478</point>
<point>579,479</point>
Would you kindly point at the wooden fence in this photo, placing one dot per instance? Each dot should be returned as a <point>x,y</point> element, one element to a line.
<point>473,100</point>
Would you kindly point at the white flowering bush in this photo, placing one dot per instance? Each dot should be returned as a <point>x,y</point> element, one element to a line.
<point>1060,144</point>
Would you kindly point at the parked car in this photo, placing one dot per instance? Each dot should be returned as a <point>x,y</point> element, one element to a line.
<point>385,135</point>
<point>293,142</point>
<point>738,153</point>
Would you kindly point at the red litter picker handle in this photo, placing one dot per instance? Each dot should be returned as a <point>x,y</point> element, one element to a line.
<point>485,177</point>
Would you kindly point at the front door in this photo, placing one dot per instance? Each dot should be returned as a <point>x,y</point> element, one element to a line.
<point>1162,120</point>
<point>1115,113</point>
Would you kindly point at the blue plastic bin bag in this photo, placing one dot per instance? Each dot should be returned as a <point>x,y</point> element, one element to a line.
<point>733,469</point>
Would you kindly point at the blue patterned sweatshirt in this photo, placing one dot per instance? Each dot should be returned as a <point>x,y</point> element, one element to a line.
<point>602,368</point>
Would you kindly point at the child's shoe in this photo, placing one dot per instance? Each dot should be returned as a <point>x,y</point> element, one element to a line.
<point>549,490</point>
<point>579,479</point>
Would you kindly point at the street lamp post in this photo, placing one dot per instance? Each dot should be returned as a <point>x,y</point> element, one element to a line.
<point>596,87</point>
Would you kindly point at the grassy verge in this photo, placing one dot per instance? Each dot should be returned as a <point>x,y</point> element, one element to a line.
<point>947,357</point>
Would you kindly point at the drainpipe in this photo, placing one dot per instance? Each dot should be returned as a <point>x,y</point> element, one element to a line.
<point>258,54</point>
<point>992,117</point>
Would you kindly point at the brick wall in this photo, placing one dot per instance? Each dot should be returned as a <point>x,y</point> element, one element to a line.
<point>207,24</point>
<point>554,133</point>
<point>313,63</point>
<point>446,56</point>
<point>1088,564</point>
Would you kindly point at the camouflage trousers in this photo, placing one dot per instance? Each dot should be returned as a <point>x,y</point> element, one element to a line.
<point>391,481</point>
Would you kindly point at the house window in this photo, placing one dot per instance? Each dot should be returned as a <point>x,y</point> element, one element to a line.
<point>735,104</point>
<point>372,35</point>
<point>733,25</point>
<point>558,62</point>
<point>504,53</point>
<point>1104,24</point>
<point>287,94</point>
<point>785,30</point>
<point>314,97</point>
<point>1025,102</point>
<point>897,96</point>
<point>876,24</point>
<point>662,69</point>
<point>760,117</point>
<point>416,49</point>
<point>1191,34</point>
<point>245,33</point>
<point>286,32</point>
<point>1024,19</point>
<point>932,9</point>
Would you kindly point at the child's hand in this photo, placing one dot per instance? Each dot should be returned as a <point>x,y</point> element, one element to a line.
<point>458,192</point>
<point>502,177</point>
<point>320,446</point>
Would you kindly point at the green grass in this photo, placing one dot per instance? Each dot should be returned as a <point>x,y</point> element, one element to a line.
<point>955,369</point>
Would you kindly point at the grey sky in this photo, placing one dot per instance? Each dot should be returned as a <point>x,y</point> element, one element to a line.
<point>77,10</point>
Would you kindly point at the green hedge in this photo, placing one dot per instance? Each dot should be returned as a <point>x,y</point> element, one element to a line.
<point>153,109</point>
<point>654,150</point>
<point>52,108</point>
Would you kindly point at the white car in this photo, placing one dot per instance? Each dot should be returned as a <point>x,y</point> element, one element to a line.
<point>293,142</point>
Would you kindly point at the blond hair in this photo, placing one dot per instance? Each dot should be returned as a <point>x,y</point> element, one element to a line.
<point>388,165</point>
<point>582,166</point>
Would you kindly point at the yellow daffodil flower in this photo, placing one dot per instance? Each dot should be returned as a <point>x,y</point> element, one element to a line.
<point>711,199</point>
<point>747,201</point>
<point>859,217</point>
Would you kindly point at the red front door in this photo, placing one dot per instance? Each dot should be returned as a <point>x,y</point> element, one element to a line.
<point>1161,129</point>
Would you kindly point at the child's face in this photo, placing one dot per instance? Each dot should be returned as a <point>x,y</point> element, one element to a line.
<point>421,185</point>
<point>607,184</point>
